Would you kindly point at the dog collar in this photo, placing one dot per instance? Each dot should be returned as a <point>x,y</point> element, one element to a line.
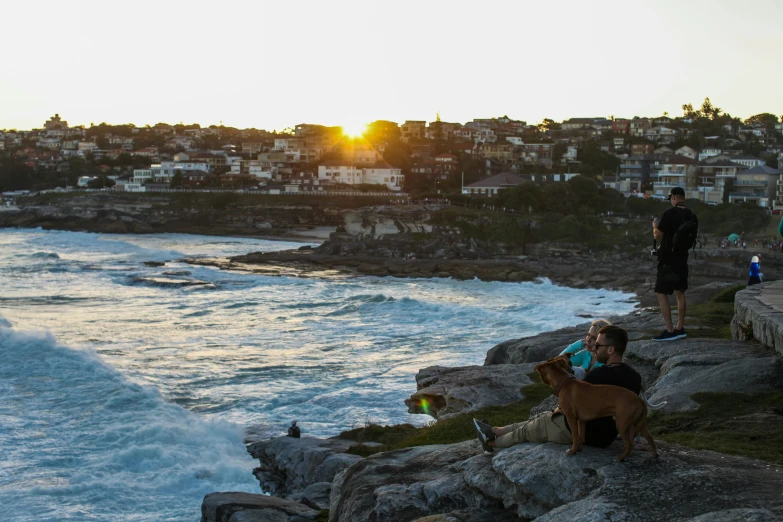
<point>561,384</point>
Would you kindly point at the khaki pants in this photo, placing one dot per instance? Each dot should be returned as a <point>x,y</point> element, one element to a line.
<point>544,427</point>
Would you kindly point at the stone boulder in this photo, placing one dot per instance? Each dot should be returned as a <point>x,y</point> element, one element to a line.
<point>249,507</point>
<point>542,482</point>
<point>406,484</point>
<point>641,324</point>
<point>671,372</point>
<point>289,465</point>
<point>690,366</point>
<point>315,495</point>
<point>443,392</point>
<point>756,315</point>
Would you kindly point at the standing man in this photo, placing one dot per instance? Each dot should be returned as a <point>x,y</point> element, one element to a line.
<point>677,231</point>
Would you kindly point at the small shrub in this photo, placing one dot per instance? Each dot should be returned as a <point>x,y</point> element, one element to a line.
<point>727,294</point>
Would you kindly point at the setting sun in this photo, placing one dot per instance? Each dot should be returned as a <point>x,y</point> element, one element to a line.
<point>354,130</point>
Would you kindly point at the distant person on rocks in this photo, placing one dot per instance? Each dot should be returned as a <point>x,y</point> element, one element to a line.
<point>552,426</point>
<point>294,431</point>
<point>755,271</point>
<point>677,231</point>
<point>582,352</point>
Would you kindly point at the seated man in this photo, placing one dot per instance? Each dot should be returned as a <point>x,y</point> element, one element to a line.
<point>552,426</point>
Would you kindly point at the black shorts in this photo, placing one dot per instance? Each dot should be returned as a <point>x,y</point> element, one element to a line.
<point>671,277</point>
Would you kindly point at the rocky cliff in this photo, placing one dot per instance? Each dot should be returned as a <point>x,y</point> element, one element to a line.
<point>457,482</point>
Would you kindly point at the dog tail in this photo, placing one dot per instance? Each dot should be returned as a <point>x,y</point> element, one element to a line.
<point>649,405</point>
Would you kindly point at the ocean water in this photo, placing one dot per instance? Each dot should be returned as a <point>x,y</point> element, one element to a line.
<point>125,389</point>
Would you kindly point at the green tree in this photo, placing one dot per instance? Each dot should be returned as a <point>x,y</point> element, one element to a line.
<point>548,124</point>
<point>558,198</point>
<point>558,150</point>
<point>585,191</point>
<point>177,180</point>
<point>764,117</point>
<point>522,197</point>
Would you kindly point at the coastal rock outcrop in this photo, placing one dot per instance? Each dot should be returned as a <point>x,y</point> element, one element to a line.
<point>249,507</point>
<point>541,481</point>
<point>288,466</point>
<point>671,372</point>
<point>443,392</point>
<point>704,365</point>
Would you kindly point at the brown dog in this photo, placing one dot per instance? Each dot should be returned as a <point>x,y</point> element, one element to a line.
<point>581,402</point>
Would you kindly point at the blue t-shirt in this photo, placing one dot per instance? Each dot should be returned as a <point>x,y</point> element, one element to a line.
<point>574,347</point>
<point>580,356</point>
<point>754,270</point>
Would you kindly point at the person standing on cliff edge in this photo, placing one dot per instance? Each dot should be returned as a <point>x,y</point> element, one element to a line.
<point>294,431</point>
<point>677,231</point>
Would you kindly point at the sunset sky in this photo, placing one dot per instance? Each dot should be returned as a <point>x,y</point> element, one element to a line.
<point>273,65</point>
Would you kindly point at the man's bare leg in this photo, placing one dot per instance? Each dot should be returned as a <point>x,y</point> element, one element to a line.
<point>666,310</point>
<point>681,305</point>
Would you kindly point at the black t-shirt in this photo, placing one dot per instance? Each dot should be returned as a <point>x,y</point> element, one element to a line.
<point>601,432</point>
<point>669,224</point>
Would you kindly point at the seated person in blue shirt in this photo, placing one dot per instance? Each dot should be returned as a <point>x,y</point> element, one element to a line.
<point>582,352</point>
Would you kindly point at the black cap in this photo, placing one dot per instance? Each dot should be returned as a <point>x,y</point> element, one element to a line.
<point>676,191</point>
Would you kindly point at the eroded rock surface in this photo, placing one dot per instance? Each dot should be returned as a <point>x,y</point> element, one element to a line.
<point>443,392</point>
<point>289,465</point>
<point>249,507</point>
<point>541,480</point>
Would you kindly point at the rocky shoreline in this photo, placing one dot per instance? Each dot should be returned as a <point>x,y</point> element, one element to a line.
<point>457,482</point>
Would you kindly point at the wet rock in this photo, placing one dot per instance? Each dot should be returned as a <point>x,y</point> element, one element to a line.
<point>249,507</point>
<point>289,465</point>
<point>315,495</point>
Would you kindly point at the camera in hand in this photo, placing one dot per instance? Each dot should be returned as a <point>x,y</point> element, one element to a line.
<point>654,250</point>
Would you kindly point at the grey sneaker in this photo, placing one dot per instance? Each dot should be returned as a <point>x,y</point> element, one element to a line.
<point>680,333</point>
<point>484,435</point>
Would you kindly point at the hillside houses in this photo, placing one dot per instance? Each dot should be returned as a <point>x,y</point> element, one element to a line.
<point>641,154</point>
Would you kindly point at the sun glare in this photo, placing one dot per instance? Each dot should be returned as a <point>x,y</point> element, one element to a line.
<point>354,130</point>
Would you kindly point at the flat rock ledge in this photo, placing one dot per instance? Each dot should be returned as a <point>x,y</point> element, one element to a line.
<point>758,314</point>
<point>671,373</point>
<point>443,392</point>
<point>249,507</point>
<point>540,482</point>
<point>288,466</point>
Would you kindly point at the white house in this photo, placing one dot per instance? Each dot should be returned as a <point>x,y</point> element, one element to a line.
<point>378,174</point>
<point>686,151</point>
<point>384,174</point>
<point>708,152</point>
<point>142,176</point>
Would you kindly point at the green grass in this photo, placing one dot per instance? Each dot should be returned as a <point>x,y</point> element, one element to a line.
<point>322,516</point>
<point>446,431</point>
<point>749,425</point>
<point>713,318</point>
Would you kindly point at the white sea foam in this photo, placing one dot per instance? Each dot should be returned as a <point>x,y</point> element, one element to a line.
<point>79,441</point>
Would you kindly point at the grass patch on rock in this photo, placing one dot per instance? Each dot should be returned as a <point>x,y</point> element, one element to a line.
<point>711,319</point>
<point>446,431</point>
<point>749,425</point>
